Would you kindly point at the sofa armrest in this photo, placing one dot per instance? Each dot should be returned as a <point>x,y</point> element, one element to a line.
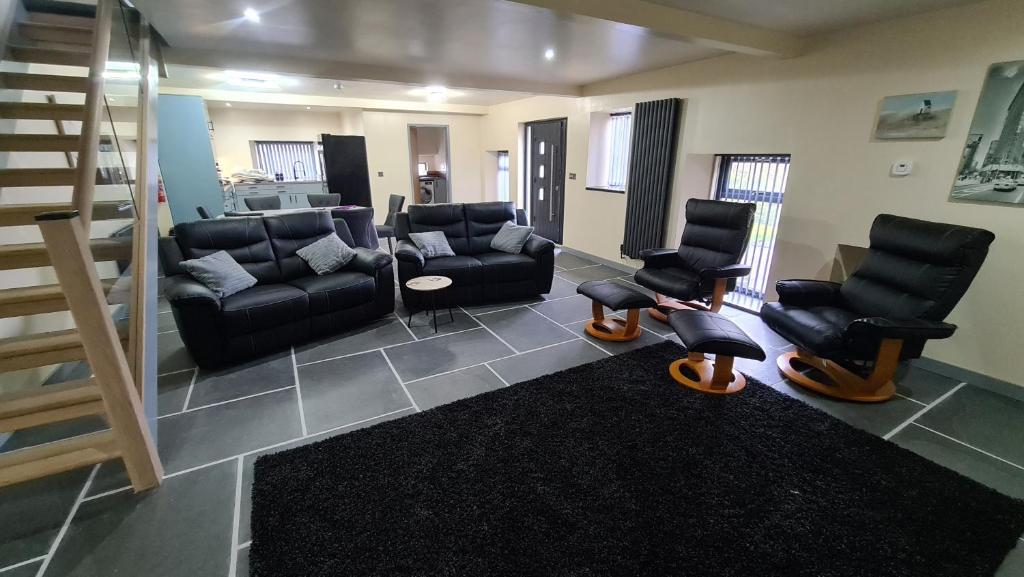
<point>406,251</point>
<point>184,291</point>
<point>170,255</point>
<point>730,271</point>
<point>368,261</point>
<point>808,293</point>
<point>904,329</point>
<point>659,257</point>
<point>535,245</point>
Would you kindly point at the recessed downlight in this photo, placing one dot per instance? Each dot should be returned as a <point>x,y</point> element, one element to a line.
<point>549,54</point>
<point>252,15</point>
<point>228,104</point>
<point>338,86</point>
<point>309,108</point>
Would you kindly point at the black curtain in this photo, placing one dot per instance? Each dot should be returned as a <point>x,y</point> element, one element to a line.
<point>345,168</point>
<point>651,161</point>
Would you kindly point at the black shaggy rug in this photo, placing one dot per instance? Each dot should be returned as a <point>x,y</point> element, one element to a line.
<point>610,469</point>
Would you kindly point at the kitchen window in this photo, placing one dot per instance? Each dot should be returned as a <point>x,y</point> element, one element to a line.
<point>293,160</point>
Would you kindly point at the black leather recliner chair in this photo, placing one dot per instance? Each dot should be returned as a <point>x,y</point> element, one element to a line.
<point>478,273</point>
<point>855,333</point>
<point>705,266</point>
<point>289,304</point>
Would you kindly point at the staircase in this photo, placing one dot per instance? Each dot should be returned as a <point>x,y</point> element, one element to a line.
<point>77,48</point>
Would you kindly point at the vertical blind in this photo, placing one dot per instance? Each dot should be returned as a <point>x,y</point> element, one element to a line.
<point>618,166</point>
<point>295,160</point>
<point>503,175</point>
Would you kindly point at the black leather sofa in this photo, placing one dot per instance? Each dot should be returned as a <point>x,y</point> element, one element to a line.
<point>479,274</point>
<point>289,304</point>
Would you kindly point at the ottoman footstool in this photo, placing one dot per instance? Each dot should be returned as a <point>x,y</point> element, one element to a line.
<point>704,332</point>
<point>616,297</point>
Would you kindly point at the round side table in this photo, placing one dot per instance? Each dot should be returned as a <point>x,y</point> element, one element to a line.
<point>432,290</point>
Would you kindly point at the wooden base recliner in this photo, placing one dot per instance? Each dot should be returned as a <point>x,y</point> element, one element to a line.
<point>705,332</point>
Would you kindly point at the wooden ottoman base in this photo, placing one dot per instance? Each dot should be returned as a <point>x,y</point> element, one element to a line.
<point>612,329</point>
<point>717,377</point>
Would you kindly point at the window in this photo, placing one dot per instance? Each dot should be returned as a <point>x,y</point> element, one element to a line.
<point>421,168</point>
<point>503,175</point>
<point>292,160</point>
<point>618,133</point>
<point>608,155</point>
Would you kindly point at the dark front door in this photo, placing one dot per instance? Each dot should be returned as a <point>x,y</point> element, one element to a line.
<point>546,177</point>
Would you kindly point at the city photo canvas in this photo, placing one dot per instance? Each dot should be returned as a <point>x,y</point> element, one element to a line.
<point>992,164</point>
<point>909,116</point>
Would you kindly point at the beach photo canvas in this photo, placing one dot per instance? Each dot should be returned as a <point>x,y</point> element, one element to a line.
<point>911,116</point>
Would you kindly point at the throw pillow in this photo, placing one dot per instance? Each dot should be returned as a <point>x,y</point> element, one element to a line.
<point>220,273</point>
<point>511,238</point>
<point>432,244</point>
<point>326,255</point>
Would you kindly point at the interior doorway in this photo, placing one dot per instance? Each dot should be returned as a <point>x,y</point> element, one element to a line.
<point>760,179</point>
<point>545,176</point>
<point>430,164</point>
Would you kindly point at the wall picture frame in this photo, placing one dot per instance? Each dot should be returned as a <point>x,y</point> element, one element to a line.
<point>915,116</point>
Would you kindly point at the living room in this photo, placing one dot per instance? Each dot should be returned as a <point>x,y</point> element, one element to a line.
<point>685,292</point>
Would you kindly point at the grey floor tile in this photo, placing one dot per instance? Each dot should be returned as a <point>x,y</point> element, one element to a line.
<point>875,418</point>
<point>53,432</point>
<point>1013,565</point>
<point>492,307</point>
<point>183,528</point>
<point>446,388</point>
<point>599,272</point>
<point>380,333</point>
<point>245,508</point>
<point>654,325</point>
<point>423,323</point>
<point>171,391</point>
<point>349,389</point>
<point>198,437</point>
<point>760,332</point>
<point>111,476</point>
<point>568,310</point>
<point>171,354</point>
<point>546,361</point>
<point>242,567</point>
<point>765,371</point>
<point>257,376</point>
<point>525,329</point>
<point>962,459</point>
<point>33,513</point>
<point>982,419</point>
<point>560,288</point>
<point>26,570</point>
<point>165,322</point>
<point>646,338</point>
<point>446,353</point>
<point>162,305</point>
<point>568,261</point>
<point>921,384</point>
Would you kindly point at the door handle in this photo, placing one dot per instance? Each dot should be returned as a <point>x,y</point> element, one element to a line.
<point>551,183</point>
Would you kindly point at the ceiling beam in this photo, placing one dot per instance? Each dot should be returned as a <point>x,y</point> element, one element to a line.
<point>683,24</point>
<point>353,71</point>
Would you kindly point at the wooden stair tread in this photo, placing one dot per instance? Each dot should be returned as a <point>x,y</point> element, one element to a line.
<point>39,142</point>
<point>34,55</point>
<point>42,111</point>
<point>34,254</point>
<point>43,82</point>
<point>60,19</point>
<point>25,214</point>
<point>50,404</point>
<point>35,300</point>
<point>46,177</point>
<point>42,349</point>
<point>49,32</point>
<point>58,457</point>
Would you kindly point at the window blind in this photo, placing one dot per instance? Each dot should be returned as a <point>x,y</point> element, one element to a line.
<point>503,175</point>
<point>619,130</point>
<point>294,160</point>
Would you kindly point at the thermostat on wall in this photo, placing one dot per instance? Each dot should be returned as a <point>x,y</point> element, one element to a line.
<point>901,168</point>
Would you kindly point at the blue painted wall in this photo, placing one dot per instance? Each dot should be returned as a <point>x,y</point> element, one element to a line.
<point>186,158</point>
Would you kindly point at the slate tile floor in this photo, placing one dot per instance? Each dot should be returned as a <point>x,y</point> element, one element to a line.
<point>213,426</point>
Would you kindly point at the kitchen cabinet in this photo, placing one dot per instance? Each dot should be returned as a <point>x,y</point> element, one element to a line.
<point>292,194</point>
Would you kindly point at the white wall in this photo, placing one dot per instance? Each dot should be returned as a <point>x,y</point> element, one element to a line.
<point>821,109</point>
<point>235,128</point>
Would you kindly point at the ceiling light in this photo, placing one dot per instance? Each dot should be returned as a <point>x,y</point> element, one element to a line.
<point>436,93</point>
<point>338,86</point>
<point>251,15</point>
<point>308,108</point>
<point>549,54</point>
<point>257,80</point>
<point>228,104</point>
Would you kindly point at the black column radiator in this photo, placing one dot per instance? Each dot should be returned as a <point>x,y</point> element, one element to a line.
<point>651,161</point>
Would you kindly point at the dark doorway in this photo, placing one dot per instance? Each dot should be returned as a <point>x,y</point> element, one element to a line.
<point>545,176</point>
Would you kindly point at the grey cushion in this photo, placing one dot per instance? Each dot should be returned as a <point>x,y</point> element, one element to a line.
<point>327,254</point>
<point>510,238</point>
<point>432,244</point>
<point>220,273</point>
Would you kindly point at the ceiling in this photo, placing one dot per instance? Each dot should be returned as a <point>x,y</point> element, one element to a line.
<point>478,43</point>
<point>213,79</point>
<point>806,17</point>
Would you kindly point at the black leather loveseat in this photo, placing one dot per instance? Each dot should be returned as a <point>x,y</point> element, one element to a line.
<point>288,305</point>
<point>478,273</point>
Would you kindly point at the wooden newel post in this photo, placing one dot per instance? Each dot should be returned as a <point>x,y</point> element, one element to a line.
<point>67,245</point>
